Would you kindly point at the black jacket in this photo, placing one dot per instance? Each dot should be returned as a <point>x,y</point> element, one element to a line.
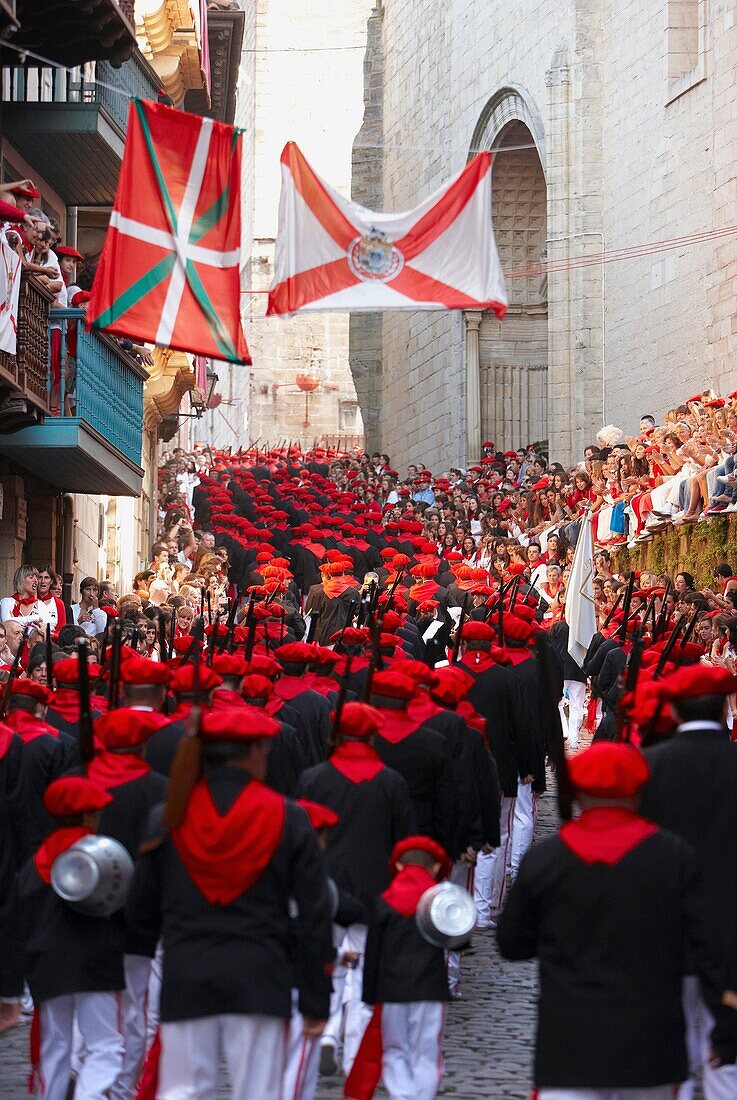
<point>237,958</point>
<point>423,759</point>
<point>400,966</point>
<point>14,850</point>
<point>611,942</point>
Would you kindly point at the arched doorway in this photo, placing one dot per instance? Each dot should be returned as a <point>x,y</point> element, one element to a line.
<point>512,355</point>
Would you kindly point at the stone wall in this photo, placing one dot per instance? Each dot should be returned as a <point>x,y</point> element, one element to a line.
<point>632,112</point>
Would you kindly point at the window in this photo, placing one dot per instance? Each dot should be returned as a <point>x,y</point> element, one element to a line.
<point>685,46</point>
<point>347,416</point>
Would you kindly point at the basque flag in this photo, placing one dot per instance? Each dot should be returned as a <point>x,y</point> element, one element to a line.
<point>169,269</point>
<point>332,254</point>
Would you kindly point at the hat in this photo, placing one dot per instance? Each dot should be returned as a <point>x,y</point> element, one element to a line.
<point>295,653</point>
<point>691,681</point>
<point>68,251</point>
<point>426,569</point>
<point>451,685</point>
<point>33,690</point>
<point>230,664</point>
<point>74,794</point>
<point>426,607</point>
<point>139,670</point>
<point>29,192</point>
<point>232,724</point>
<point>392,684</point>
<point>67,671</point>
<point>477,635</point>
<point>359,720</point>
<point>255,686</point>
<point>264,666</point>
<point>421,844</point>
<point>609,769</point>
<point>351,636</point>
<point>321,817</point>
<point>182,680</point>
<point>125,728</point>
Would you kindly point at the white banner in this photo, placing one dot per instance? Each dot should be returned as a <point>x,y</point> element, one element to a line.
<point>9,290</point>
<point>580,608</point>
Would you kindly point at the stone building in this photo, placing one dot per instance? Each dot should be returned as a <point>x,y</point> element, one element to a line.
<point>614,129</point>
<point>300,80</point>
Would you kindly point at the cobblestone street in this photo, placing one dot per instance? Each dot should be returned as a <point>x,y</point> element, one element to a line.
<point>488,1038</point>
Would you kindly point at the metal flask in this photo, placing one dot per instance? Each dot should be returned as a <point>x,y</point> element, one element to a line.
<point>93,875</point>
<point>446,916</point>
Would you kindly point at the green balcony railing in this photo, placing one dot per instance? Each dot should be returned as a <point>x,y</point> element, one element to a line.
<point>101,385</point>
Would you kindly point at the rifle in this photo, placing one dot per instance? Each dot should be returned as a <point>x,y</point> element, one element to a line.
<point>86,736</point>
<point>459,630</point>
<point>340,703</point>
<point>172,631</point>
<point>668,647</point>
<point>115,663</point>
<point>630,683</point>
<point>8,690</point>
<point>230,624</point>
<point>251,624</point>
<point>688,633</point>
<point>626,606</point>
<point>312,629</point>
<point>659,624</point>
<point>162,634</point>
<point>209,608</point>
<point>50,658</point>
<point>214,634</point>
<point>393,589</point>
<point>375,661</point>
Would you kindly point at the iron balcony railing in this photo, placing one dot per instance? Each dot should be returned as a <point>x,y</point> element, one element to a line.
<point>97,82</point>
<point>101,384</point>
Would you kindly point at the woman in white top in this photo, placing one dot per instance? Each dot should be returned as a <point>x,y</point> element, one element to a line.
<point>24,606</point>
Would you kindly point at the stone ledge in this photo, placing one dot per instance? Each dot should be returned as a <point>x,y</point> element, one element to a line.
<point>695,547</point>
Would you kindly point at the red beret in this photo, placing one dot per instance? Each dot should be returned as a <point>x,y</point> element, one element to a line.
<point>295,653</point>
<point>475,633</point>
<point>427,607</point>
<point>451,685</point>
<point>184,641</point>
<point>359,720</point>
<point>68,251</point>
<point>139,670</point>
<point>452,556</point>
<point>232,724</point>
<point>400,561</point>
<point>426,569</point>
<point>421,844</point>
<point>264,666</point>
<point>182,680</point>
<point>67,671</point>
<point>254,686</point>
<point>321,817</point>
<point>391,621</point>
<point>125,727</point>
<point>29,192</point>
<point>387,553</point>
<point>74,795</point>
<point>418,671</point>
<point>351,636</point>
<point>690,681</point>
<point>609,769</point>
<point>325,656</point>
<point>230,664</point>
<point>393,685</point>
<point>32,689</point>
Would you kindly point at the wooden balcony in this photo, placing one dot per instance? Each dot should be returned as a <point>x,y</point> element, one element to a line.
<point>27,373</point>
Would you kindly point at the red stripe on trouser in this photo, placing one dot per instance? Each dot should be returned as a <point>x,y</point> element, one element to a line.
<point>36,1082</point>
<point>300,1070</point>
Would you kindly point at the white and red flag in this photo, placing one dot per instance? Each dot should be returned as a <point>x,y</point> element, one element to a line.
<point>169,270</point>
<point>332,254</point>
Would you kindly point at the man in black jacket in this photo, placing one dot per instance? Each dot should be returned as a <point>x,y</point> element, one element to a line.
<point>221,888</point>
<point>692,791</point>
<point>610,907</point>
<point>374,809</point>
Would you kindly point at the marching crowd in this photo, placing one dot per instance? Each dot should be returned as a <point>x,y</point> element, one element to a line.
<point>330,691</point>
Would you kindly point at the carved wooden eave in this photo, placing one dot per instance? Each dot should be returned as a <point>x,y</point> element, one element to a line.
<point>171,376</point>
<point>225,26</point>
<point>170,38</point>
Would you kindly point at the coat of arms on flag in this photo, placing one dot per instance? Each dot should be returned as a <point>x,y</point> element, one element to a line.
<point>169,269</point>
<point>332,254</point>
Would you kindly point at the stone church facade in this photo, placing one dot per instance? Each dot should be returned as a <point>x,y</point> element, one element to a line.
<point>614,129</point>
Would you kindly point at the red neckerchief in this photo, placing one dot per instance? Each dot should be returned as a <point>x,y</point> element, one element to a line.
<point>423,707</point>
<point>225,855</point>
<point>28,727</point>
<point>288,687</point>
<point>224,699</point>
<point>357,761</point>
<point>406,889</point>
<point>425,590</point>
<point>21,603</point>
<point>323,685</point>
<point>606,834</point>
<point>397,724</point>
<point>478,660</point>
<point>180,713</point>
<point>517,654</point>
<point>112,769</point>
<point>336,586</point>
<point>53,846</point>
<point>6,737</point>
<point>357,663</point>
<point>466,585</point>
<point>66,704</point>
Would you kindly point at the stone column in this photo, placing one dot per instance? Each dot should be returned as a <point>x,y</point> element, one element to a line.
<point>473,387</point>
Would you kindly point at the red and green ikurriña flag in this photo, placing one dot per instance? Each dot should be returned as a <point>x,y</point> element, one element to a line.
<point>169,269</point>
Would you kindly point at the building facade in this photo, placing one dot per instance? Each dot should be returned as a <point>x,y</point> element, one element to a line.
<point>613,132</point>
<point>301,80</point>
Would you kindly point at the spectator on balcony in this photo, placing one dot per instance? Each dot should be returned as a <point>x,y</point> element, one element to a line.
<point>76,297</point>
<point>24,606</point>
<point>22,194</point>
<point>56,612</point>
<point>13,634</point>
<point>87,614</point>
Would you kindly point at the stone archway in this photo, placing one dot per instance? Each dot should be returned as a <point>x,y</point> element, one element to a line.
<point>507,362</point>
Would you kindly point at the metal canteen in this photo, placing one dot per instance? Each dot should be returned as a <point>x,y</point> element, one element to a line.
<point>446,916</point>
<point>93,875</point>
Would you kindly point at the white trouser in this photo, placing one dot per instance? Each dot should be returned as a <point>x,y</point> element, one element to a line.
<point>412,1037</point>
<point>253,1047</point>
<point>303,1059</point>
<point>135,1024</point>
<point>523,825</point>
<point>153,1016</point>
<point>462,875</point>
<point>357,1014</point>
<point>717,1084</point>
<point>96,1016</point>
<point>657,1092</point>
<point>576,692</point>
<point>491,870</point>
<point>334,1026</point>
